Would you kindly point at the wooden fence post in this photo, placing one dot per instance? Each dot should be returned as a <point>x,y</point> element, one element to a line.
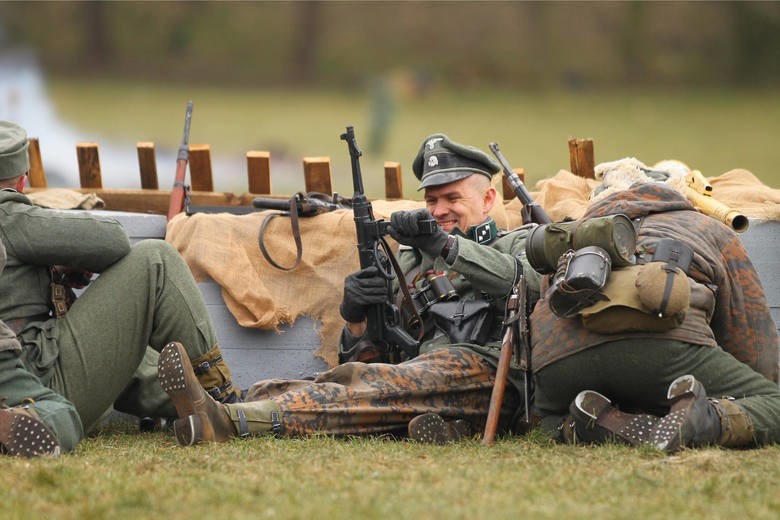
<point>393,181</point>
<point>89,165</point>
<point>258,167</point>
<point>147,165</point>
<point>36,176</point>
<point>581,157</point>
<point>200,168</point>
<point>317,174</point>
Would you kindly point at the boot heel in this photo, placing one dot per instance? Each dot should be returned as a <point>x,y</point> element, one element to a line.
<point>189,430</point>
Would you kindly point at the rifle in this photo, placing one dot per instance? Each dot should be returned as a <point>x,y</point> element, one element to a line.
<point>532,211</point>
<point>382,321</point>
<point>306,204</point>
<point>177,194</point>
<point>516,332</point>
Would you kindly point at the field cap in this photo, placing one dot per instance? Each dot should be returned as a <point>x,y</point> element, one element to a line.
<point>442,161</point>
<point>14,160</point>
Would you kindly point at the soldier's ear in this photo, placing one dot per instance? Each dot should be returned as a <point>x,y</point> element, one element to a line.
<point>489,199</point>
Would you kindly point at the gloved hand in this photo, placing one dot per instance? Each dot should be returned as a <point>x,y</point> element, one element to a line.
<point>404,228</point>
<point>362,289</point>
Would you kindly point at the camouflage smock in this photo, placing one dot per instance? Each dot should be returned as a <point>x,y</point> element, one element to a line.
<point>740,323</point>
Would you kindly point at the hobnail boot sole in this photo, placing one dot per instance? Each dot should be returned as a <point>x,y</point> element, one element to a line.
<point>669,433</point>
<point>25,436</point>
<point>598,420</point>
<point>171,374</point>
<point>431,428</point>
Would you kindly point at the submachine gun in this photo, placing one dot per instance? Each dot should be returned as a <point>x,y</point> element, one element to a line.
<point>383,322</point>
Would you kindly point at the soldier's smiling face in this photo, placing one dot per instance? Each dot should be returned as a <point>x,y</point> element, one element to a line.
<point>462,204</point>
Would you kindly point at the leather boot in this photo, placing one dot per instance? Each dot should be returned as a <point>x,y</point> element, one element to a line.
<point>594,420</point>
<point>201,418</point>
<point>692,419</point>
<point>214,375</point>
<point>23,434</point>
<point>431,428</point>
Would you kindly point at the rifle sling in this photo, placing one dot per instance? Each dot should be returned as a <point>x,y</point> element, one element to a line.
<point>296,231</point>
<point>407,299</point>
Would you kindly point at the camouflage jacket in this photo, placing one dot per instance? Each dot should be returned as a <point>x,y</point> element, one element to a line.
<point>741,322</point>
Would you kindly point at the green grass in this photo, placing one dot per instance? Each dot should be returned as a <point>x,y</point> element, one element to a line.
<point>711,130</point>
<point>122,474</point>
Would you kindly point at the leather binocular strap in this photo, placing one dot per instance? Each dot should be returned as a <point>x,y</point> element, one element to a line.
<point>296,231</point>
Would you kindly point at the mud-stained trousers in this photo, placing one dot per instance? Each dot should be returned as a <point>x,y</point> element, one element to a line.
<point>359,398</point>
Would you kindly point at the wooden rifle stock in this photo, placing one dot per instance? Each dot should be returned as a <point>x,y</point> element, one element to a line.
<point>516,311</point>
<point>177,193</point>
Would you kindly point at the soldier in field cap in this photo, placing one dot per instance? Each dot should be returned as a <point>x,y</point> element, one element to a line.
<point>14,159</point>
<point>440,395</point>
<point>64,361</point>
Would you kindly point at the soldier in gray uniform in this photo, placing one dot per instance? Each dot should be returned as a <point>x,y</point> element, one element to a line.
<point>436,396</point>
<point>78,356</point>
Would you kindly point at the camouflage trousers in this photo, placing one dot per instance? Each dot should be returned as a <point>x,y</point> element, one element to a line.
<point>359,398</point>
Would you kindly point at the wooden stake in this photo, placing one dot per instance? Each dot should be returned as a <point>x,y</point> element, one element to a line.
<point>200,168</point>
<point>89,165</point>
<point>258,167</point>
<point>36,176</point>
<point>581,157</point>
<point>147,165</point>
<point>393,181</point>
<point>317,174</point>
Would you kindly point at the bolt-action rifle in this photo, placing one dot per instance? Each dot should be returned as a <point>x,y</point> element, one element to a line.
<point>515,342</point>
<point>176,204</point>
<point>383,322</point>
<point>532,211</point>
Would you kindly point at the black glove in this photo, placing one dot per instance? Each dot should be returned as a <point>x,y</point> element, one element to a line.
<point>405,229</point>
<point>362,289</point>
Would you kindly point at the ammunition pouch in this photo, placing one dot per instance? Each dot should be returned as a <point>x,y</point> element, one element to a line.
<point>581,276</point>
<point>615,234</point>
<point>465,321</point>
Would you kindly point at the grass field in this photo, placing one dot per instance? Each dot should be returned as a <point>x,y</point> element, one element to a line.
<point>711,130</point>
<point>119,474</point>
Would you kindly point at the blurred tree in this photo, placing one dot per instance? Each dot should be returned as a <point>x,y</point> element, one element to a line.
<point>757,41</point>
<point>98,44</point>
<point>307,41</point>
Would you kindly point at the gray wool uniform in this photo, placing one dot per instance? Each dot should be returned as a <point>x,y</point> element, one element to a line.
<point>77,366</point>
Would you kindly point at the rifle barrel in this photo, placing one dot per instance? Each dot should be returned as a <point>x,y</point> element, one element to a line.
<point>176,203</point>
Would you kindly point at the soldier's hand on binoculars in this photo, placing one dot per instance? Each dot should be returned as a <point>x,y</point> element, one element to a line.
<point>405,229</point>
<point>362,289</point>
